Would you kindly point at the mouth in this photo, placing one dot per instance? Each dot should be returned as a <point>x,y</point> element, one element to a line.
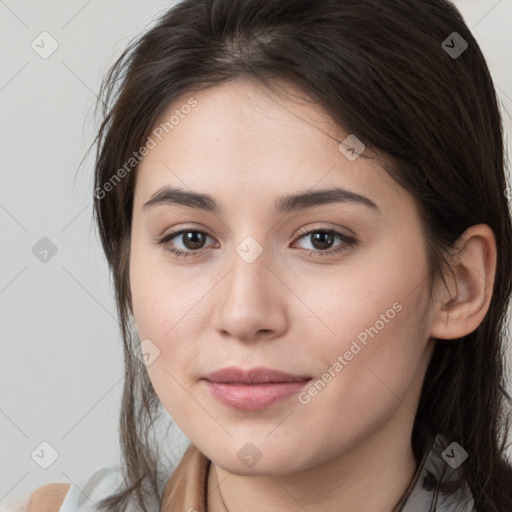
<point>261,375</point>
<point>253,389</point>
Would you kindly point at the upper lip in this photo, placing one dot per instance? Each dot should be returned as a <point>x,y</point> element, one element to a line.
<point>260,375</point>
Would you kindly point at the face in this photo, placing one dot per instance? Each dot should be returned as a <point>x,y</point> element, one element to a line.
<point>332,290</point>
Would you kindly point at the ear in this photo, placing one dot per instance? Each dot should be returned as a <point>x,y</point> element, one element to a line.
<point>460,309</point>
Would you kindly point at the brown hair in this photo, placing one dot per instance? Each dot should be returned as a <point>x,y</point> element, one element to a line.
<point>382,72</point>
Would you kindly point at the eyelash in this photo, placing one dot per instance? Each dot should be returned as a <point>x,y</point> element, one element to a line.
<point>348,242</point>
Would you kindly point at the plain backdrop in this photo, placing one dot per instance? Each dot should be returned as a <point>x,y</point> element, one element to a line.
<point>61,357</point>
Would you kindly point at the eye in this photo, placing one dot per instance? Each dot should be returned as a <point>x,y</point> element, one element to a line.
<point>322,240</point>
<point>193,241</point>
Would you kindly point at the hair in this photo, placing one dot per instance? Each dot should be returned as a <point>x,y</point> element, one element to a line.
<point>381,72</point>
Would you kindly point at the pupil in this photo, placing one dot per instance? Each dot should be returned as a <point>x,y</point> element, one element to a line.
<point>322,238</point>
<point>192,241</point>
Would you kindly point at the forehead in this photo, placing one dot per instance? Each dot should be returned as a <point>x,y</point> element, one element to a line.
<point>241,139</point>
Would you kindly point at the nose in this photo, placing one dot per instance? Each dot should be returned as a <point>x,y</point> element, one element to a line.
<point>250,301</point>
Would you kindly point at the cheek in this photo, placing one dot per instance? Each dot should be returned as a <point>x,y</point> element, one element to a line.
<point>168,306</point>
<point>366,371</point>
<point>379,332</point>
<point>160,298</point>
<point>164,309</point>
<point>371,342</point>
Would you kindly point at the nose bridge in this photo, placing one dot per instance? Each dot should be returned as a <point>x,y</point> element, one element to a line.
<point>248,280</point>
<point>248,300</point>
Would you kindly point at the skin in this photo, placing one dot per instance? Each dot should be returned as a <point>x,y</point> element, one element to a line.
<point>288,310</point>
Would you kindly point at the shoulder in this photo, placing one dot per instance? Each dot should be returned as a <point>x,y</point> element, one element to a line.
<point>81,496</point>
<point>48,498</point>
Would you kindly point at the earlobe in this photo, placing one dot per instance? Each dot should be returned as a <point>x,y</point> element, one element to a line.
<point>461,308</point>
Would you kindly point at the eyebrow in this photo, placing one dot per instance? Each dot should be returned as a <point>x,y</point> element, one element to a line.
<point>284,204</point>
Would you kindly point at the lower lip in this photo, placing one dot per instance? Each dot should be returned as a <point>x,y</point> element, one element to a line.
<point>252,397</point>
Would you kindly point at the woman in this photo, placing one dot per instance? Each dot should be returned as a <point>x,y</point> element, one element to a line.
<point>304,208</point>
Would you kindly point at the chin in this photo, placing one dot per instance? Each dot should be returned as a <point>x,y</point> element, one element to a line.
<point>248,460</point>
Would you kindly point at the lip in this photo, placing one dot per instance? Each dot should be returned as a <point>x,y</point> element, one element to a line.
<point>253,389</point>
<point>260,375</point>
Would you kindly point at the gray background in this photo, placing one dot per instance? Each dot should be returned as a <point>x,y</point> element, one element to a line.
<point>61,358</point>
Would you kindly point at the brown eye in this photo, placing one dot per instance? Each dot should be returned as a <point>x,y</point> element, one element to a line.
<point>191,241</point>
<point>322,241</point>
